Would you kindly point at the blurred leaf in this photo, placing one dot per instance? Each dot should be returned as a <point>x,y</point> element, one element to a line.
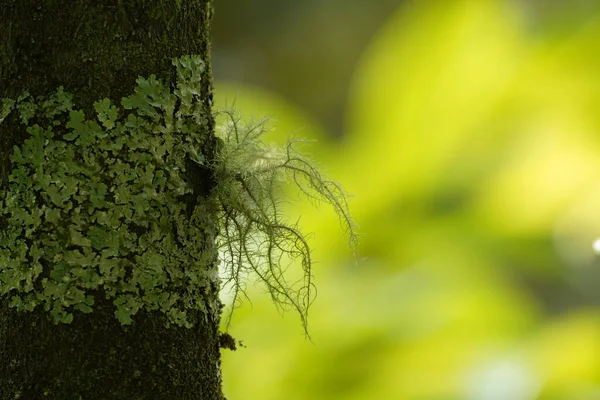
<point>425,88</point>
<point>567,351</point>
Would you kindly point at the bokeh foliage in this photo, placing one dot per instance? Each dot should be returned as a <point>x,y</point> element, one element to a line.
<point>472,146</point>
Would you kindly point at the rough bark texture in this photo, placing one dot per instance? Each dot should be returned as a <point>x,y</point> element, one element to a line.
<point>97,49</point>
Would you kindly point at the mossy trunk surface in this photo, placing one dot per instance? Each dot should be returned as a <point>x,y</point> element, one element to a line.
<point>97,49</point>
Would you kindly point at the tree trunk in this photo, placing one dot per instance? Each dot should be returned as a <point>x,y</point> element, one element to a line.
<point>97,49</point>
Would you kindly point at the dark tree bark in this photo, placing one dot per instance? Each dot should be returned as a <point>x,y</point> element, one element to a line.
<point>97,49</point>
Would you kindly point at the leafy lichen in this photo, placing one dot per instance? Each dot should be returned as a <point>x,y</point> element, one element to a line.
<point>94,205</point>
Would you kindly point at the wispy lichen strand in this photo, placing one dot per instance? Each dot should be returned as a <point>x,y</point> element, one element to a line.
<point>255,237</point>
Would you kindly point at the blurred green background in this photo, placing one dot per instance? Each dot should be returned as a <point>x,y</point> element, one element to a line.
<point>468,132</point>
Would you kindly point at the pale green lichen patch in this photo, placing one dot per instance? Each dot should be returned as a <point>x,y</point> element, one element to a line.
<point>94,204</point>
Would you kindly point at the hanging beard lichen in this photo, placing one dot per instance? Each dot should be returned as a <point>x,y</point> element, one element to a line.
<point>254,236</point>
<point>106,205</point>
